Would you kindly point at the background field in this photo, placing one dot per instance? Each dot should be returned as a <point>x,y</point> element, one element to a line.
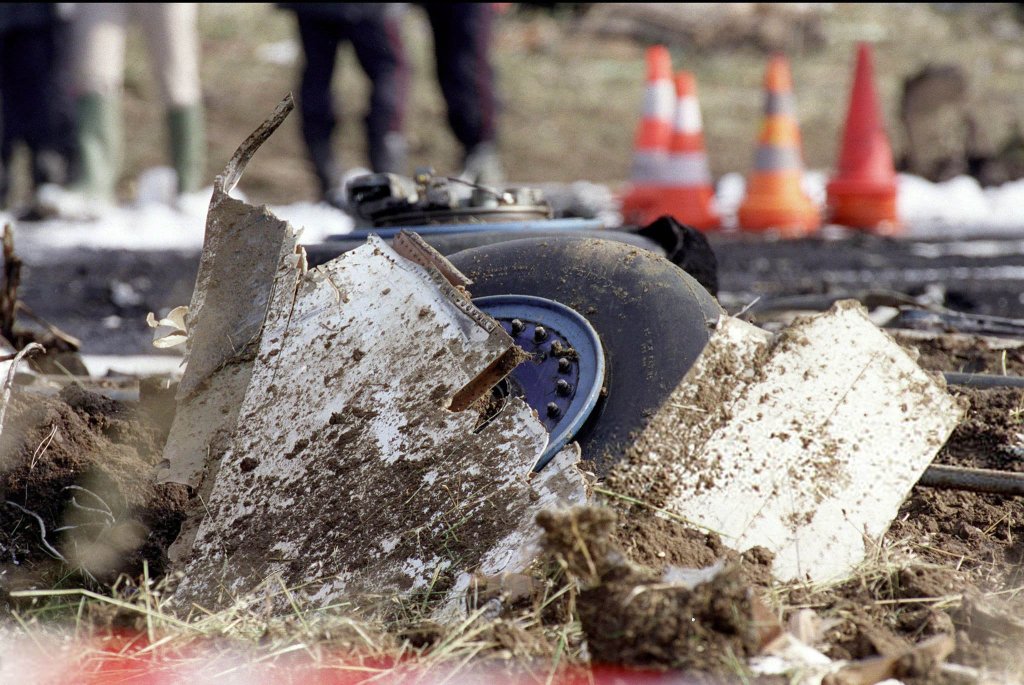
<point>571,98</point>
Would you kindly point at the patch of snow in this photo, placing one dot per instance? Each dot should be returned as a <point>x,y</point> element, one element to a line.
<point>156,220</point>
<point>157,185</point>
<point>317,220</point>
<point>974,248</point>
<point>282,53</point>
<point>731,189</point>
<point>132,365</point>
<point>813,183</point>
<point>957,207</point>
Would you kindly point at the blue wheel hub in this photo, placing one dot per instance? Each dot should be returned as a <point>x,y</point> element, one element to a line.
<point>562,380</point>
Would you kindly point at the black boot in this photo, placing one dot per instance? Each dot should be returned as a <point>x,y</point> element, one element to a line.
<point>325,166</point>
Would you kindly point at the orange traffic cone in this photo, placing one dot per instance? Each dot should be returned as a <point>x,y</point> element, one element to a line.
<point>652,137</point>
<point>687,193</point>
<point>863,192</point>
<point>774,198</point>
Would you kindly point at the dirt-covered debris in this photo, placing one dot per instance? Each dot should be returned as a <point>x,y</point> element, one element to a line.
<point>789,444</point>
<point>657,542</point>
<point>75,482</point>
<point>965,353</point>
<point>949,567</point>
<point>633,616</point>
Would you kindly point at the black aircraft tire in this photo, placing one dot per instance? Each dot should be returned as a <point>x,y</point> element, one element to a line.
<point>447,244</point>
<point>653,319</point>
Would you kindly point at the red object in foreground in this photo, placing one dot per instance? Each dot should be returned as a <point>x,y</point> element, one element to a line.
<point>128,659</point>
<point>862,194</point>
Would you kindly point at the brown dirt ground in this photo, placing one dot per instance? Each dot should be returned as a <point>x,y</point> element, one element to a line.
<point>966,354</point>
<point>82,463</point>
<point>950,563</point>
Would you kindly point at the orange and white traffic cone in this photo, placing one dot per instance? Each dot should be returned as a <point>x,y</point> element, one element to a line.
<point>775,198</point>
<point>862,194</point>
<point>688,194</point>
<point>653,135</point>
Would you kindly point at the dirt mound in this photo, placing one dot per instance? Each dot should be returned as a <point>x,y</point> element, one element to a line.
<point>76,487</point>
<point>632,616</point>
<point>768,27</point>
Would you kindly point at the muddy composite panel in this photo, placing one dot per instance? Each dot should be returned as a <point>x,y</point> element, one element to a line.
<point>803,444</point>
<point>347,474</point>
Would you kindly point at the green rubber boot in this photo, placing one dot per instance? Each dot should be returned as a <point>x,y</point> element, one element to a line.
<point>188,146</point>
<point>99,137</point>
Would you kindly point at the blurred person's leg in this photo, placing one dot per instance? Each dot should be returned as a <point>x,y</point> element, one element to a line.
<point>99,44</point>
<point>462,43</point>
<point>172,39</point>
<point>8,110</point>
<point>320,38</point>
<point>34,85</point>
<point>63,93</point>
<point>26,68</point>
<point>378,46</point>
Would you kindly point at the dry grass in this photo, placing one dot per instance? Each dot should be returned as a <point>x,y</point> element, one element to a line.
<point>398,638</point>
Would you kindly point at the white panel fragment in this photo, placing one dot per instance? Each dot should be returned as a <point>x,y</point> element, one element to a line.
<point>244,250</point>
<point>347,475</point>
<point>802,445</point>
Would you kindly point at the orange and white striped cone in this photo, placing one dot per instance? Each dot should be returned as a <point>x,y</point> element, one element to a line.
<point>653,135</point>
<point>688,194</point>
<point>775,198</point>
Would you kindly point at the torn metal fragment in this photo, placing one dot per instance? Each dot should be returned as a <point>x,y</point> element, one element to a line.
<point>244,249</point>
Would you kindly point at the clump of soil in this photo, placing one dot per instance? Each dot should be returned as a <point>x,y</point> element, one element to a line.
<point>76,482</point>
<point>657,543</point>
<point>630,616</point>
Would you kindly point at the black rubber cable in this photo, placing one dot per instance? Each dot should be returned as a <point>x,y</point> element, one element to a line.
<point>987,481</point>
<point>983,380</point>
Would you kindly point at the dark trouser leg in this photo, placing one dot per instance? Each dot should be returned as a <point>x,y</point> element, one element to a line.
<point>26,83</point>
<point>382,55</point>
<point>462,37</point>
<point>8,113</point>
<point>320,44</point>
<point>64,99</point>
<point>378,46</point>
